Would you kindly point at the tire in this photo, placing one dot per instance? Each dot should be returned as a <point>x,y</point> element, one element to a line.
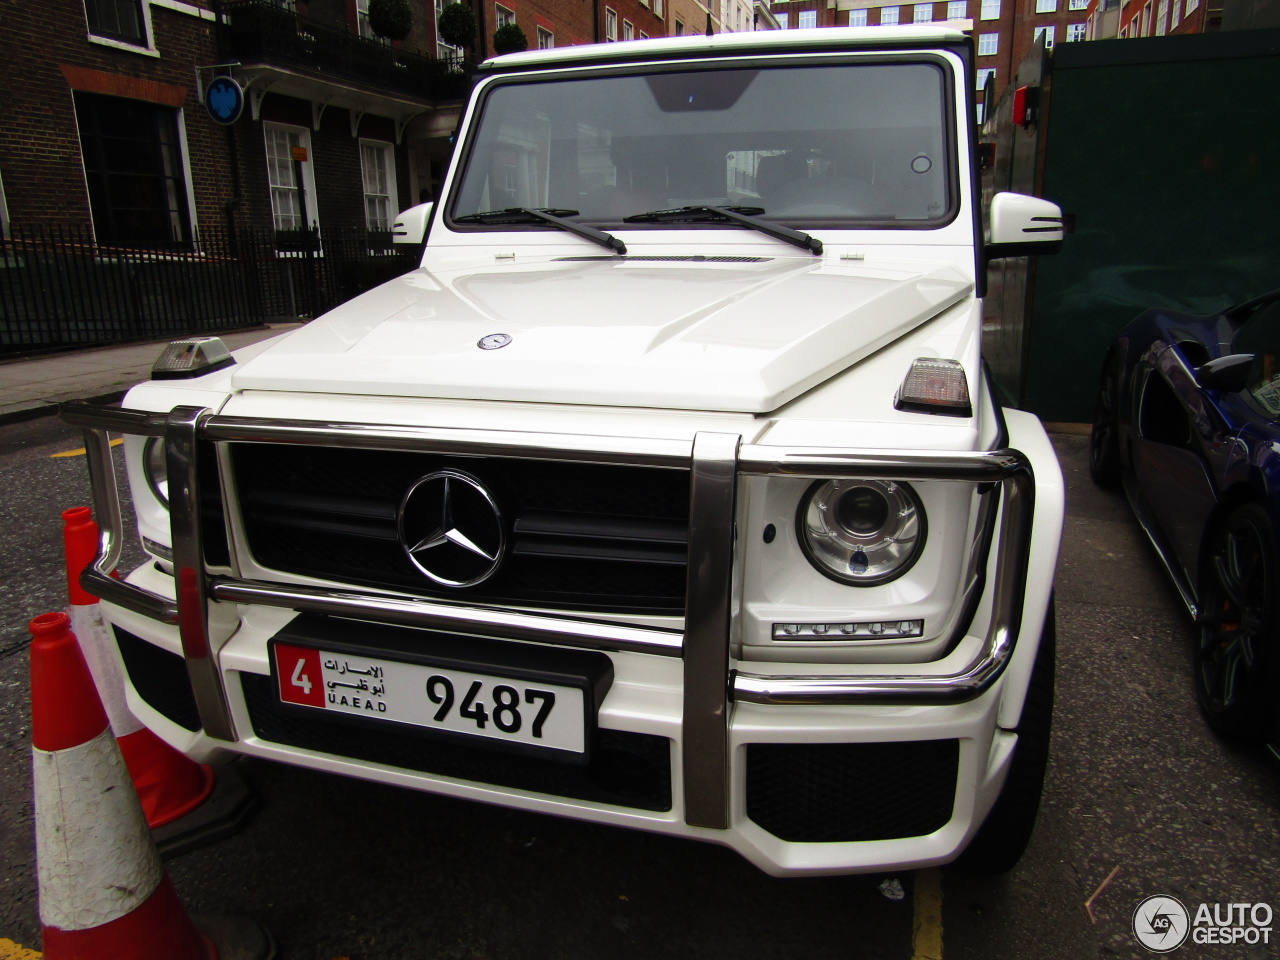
<point>1104,440</point>
<point>1003,837</point>
<point>1237,657</point>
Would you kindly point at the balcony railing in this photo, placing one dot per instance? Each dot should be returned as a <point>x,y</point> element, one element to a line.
<point>259,31</point>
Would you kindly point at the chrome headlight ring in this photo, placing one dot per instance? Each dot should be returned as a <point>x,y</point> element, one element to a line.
<point>861,532</point>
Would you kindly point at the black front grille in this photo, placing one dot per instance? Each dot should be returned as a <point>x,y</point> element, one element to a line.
<point>840,792</point>
<point>626,769</point>
<point>160,677</point>
<point>585,536</point>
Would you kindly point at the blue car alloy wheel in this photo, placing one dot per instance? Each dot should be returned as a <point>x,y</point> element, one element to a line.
<point>1237,668</point>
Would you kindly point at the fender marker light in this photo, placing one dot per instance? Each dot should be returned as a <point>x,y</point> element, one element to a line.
<point>184,359</point>
<point>935,386</point>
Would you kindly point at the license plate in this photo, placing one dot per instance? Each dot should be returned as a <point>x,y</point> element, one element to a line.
<point>435,697</point>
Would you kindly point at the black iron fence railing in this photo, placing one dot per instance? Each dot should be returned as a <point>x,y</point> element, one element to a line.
<point>260,31</point>
<point>60,290</point>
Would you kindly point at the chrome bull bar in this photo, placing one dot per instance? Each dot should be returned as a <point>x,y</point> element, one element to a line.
<point>715,461</point>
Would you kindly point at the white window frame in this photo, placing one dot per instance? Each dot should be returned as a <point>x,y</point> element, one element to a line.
<point>1075,32</point>
<point>643,35</point>
<point>990,10</point>
<point>657,9</point>
<point>858,18</point>
<point>546,39</point>
<point>1190,5</point>
<point>922,13</point>
<point>1048,36</point>
<point>980,83</point>
<point>1046,6</point>
<point>501,16</point>
<point>988,44</point>
<point>1162,18</point>
<point>782,19</point>
<point>958,10</point>
<point>148,48</point>
<point>1077,4</point>
<point>628,30</point>
<point>1175,14</point>
<point>807,20</point>
<point>388,157</point>
<point>310,209</point>
<point>892,13</point>
<point>610,25</point>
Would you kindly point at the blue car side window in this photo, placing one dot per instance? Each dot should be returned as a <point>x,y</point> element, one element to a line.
<point>1260,335</point>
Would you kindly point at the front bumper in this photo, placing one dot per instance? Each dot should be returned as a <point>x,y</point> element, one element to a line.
<point>724,723</point>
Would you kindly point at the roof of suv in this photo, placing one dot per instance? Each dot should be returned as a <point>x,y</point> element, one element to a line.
<point>769,41</point>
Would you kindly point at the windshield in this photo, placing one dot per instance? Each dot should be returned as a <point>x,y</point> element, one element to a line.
<point>838,145</point>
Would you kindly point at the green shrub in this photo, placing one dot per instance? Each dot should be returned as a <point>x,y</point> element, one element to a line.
<point>509,38</point>
<point>457,25</point>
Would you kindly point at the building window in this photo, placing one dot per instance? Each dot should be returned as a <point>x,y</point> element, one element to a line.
<point>292,204</point>
<point>981,109</point>
<point>117,20</point>
<point>643,35</point>
<point>807,20</point>
<point>1047,33</point>
<point>857,18</point>
<point>1162,19</point>
<point>628,30</point>
<point>1046,6</point>
<point>680,26</point>
<point>546,39</point>
<point>1075,31</point>
<point>1174,13</point>
<point>1190,5</point>
<point>983,74</point>
<point>657,9</point>
<point>610,25</point>
<point>988,44</point>
<point>990,10</point>
<point>503,16</point>
<point>1077,4</point>
<point>782,19</point>
<point>378,164</point>
<point>888,16</point>
<point>923,13</point>
<point>957,9</point>
<point>134,170</point>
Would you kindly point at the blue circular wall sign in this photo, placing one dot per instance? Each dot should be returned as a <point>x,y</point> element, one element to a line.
<point>224,100</point>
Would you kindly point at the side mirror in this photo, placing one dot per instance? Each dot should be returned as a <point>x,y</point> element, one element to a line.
<point>1229,373</point>
<point>411,225</point>
<point>1023,226</point>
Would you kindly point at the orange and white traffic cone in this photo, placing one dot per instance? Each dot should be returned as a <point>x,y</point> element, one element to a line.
<point>168,783</point>
<point>171,786</point>
<point>104,894</point>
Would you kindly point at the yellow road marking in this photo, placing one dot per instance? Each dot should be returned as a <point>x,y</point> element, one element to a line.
<point>926,932</point>
<point>77,453</point>
<point>13,951</point>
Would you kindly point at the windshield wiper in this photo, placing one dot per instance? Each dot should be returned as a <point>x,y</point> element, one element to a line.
<point>747,216</point>
<point>549,215</point>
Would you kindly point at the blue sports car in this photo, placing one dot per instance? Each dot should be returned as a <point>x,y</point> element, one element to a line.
<point>1186,419</point>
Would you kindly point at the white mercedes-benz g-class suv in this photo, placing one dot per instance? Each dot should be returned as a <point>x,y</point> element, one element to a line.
<point>669,492</point>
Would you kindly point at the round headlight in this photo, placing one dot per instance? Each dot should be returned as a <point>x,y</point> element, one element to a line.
<point>862,532</point>
<point>156,469</point>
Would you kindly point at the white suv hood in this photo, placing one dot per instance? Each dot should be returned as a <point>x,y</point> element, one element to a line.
<point>730,334</point>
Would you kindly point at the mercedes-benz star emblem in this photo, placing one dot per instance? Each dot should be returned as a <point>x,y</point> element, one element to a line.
<point>493,341</point>
<point>451,528</point>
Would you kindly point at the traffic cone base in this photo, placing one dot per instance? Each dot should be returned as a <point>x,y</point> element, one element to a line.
<point>157,929</point>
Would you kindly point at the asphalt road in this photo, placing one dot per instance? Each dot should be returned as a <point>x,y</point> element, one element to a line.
<point>1138,790</point>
